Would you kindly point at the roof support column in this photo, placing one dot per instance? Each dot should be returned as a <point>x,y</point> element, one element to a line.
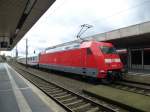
<point>142,53</point>
<point>129,59</point>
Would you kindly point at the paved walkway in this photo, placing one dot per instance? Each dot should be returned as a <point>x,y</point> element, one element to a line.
<point>18,95</point>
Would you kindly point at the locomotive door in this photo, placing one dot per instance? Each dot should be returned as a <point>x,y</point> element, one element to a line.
<point>85,56</point>
<point>83,61</point>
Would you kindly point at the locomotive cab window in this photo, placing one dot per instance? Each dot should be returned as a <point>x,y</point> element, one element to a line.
<point>108,50</point>
<point>89,52</point>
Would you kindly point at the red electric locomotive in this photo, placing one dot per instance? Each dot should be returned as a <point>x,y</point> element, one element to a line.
<point>91,58</point>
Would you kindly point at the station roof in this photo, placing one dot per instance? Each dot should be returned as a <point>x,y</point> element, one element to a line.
<point>135,36</point>
<point>17,17</point>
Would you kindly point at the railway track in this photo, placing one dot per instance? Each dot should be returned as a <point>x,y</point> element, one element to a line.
<point>71,101</point>
<point>132,87</point>
<point>135,87</point>
<point>120,85</point>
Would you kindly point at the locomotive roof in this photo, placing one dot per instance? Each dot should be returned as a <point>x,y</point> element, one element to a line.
<point>63,47</point>
<point>69,46</point>
<point>72,44</point>
<point>64,44</point>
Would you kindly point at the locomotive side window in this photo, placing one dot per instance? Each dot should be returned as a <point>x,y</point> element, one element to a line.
<point>88,50</point>
<point>108,50</point>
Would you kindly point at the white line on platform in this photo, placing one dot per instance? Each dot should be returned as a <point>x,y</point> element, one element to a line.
<point>6,90</point>
<point>22,103</point>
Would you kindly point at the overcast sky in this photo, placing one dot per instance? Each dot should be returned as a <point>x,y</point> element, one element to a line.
<point>62,21</point>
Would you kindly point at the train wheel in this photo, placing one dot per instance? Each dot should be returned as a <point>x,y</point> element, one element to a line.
<point>120,77</point>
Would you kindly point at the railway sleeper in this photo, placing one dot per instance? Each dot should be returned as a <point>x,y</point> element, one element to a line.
<point>41,82</point>
<point>59,94</point>
<point>64,96</point>
<point>140,91</point>
<point>52,87</point>
<point>125,88</point>
<point>55,89</point>
<point>82,108</point>
<point>69,100</point>
<point>49,87</point>
<point>94,109</point>
<point>75,105</point>
<point>132,89</point>
<point>55,92</point>
<point>74,102</point>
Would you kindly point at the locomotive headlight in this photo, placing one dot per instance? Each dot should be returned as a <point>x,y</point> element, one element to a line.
<point>102,71</point>
<point>108,60</point>
<point>112,60</point>
<point>117,60</point>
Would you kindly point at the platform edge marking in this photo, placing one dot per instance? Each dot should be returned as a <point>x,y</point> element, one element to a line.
<point>21,101</point>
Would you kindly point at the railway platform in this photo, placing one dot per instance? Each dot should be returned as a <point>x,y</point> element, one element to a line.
<point>132,101</point>
<point>138,76</point>
<point>19,95</point>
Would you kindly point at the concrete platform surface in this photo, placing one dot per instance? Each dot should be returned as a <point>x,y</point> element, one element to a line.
<point>136,101</point>
<point>19,95</point>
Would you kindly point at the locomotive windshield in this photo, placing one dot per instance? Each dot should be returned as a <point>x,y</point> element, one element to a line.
<point>108,50</point>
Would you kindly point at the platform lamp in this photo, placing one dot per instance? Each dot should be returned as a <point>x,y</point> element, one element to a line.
<point>16,52</point>
<point>26,51</point>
